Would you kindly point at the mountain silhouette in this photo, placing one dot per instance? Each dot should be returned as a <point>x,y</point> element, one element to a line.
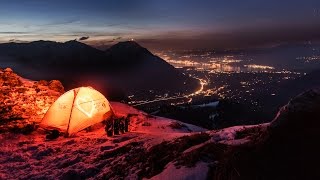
<point>125,66</point>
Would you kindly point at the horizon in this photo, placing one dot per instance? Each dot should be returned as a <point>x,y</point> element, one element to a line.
<point>157,49</point>
<point>162,25</point>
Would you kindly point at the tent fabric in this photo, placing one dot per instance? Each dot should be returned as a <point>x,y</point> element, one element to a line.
<point>76,110</point>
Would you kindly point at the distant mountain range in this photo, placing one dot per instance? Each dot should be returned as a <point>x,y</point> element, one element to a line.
<point>125,67</point>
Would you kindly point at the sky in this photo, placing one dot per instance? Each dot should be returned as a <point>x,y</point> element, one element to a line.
<point>169,24</point>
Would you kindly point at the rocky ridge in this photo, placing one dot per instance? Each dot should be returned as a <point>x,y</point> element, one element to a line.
<point>23,102</point>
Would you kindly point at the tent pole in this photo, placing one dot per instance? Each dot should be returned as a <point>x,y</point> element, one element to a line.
<point>74,98</point>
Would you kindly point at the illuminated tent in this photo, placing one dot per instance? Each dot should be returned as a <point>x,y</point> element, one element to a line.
<point>76,110</point>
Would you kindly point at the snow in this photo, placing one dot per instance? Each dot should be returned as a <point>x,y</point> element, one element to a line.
<point>123,109</point>
<point>199,172</point>
<point>228,135</point>
<point>26,156</point>
<point>93,155</point>
<point>32,156</point>
<point>144,123</point>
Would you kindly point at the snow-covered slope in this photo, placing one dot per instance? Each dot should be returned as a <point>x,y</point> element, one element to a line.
<point>31,156</point>
<point>142,122</point>
<point>151,149</point>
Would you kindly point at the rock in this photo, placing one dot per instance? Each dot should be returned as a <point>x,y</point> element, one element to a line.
<point>56,86</point>
<point>288,149</point>
<point>8,78</point>
<point>298,122</point>
<point>23,103</point>
<point>54,134</point>
<point>41,153</point>
<point>43,82</point>
<point>71,174</point>
<point>300,115</point>
<point>8,70</point>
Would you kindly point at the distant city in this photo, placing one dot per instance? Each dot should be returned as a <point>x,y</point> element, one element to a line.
<point>239,77</point>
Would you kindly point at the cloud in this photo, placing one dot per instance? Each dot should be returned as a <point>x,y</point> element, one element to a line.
<point>118,38</point>
<point>63,22</point>
<point>17,41</point>
<point>84,38</point>
<point>242,38</point>
<point>13,32</point>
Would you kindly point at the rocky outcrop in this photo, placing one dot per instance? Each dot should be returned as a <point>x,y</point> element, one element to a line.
<point>288,149</point>
<point>23,103</point>
<point>302,111</point>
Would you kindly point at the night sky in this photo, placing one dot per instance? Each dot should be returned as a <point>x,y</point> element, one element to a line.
<point>162,23</point>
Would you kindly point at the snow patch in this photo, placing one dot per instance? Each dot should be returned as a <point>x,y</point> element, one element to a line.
<point>199,172</point>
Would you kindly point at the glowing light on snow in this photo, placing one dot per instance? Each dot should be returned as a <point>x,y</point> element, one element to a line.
<point>86,105</point>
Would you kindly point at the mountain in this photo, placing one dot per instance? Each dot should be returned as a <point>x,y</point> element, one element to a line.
<point>49,60</point>
<point>125,53</point>
<point>160,148</point>
<point>124,67</point>
<point>50,52</point>
<point>139,67</point>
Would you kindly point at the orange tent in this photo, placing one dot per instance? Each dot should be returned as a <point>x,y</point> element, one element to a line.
<point>76,110</point>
